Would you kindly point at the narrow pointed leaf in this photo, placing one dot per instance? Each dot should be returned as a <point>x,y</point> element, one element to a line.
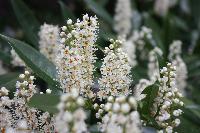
<point>5,57</point>
<point>100,11</point>
<point>151,93</point>
<point>45,102</point>
<point>66,12</point>
<point>27,20</point>
<point>35,60</point>
<point>9,80</point>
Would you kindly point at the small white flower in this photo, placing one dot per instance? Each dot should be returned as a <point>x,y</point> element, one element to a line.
<point>110,99</point>
<point>96,106</point>
<point>64,28</point>
<point>69,21</point>
<point>80,101</point>
<point>22,76</point>
<point>116,107</point>
<point>62,40</point>
<point>177,122</point>
<point>125,108</point>
<point>4,91</point>
<point>48,91</point>
<point>108,106</point>
<point>132,102</point>
<point>27,72</point>
<point>181,103</point>
<point>32,78</point>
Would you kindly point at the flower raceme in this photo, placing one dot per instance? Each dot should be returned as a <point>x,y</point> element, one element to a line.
<point>176,59</point>
<point>76,58</point>
<point>118,115</point>
<point>115,72</point>
<point>49,41</point>
<point>17,115</point>
<point>166,107</point>
<point>25,86</point>
<point>71,117</point>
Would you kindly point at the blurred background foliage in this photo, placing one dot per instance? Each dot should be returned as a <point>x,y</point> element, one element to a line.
<point>21,19</point>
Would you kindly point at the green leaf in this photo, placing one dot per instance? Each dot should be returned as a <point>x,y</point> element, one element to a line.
<point>191,108</point>
<point>151,93</point>
<point>94,129</point>
<point>35,60</point>
<point>8,77</point>
<point>5,57</point>
<point>66,12</point>
<point>45,102</point>
<point>187,126</point>
<point>100,11</point>
<point>26,19</point>
<point>9,80</point>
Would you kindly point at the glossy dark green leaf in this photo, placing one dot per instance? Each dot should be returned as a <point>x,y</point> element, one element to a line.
<point>34,60</point>
<point>100,11</point>
<point>8,77</point>
<point>5,57</point>
<point>45,102</point>
<point>190,120</point>
<point>94,129</point>
<point>66,12</point>
<point>27,20</point>
<point>151,93</point>
<point>9,80</point>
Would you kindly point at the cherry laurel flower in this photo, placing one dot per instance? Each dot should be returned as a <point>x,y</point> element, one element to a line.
<point>168,102</point>
<point>153,65</point>
<point>129,47</point>
<point>134,42</point>
<point>49,39</point>
<point>181,68</point>
<point>16,115</point>
<point>71,117</point>
<point>139,40</point>
<point>161,7</point>
<point>75,61</point>
<point>123,17</point>
<point>115,72</point>
<point>118,115</point>
<point>25,86</point>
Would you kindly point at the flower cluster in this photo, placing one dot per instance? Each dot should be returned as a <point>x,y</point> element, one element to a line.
<point>76,58</point>
<point>138,37</point>
<point>136,41</point>
<point>49,38</point>
<point>166,107</point>
<point>118,115</point>
<point>123,17</point>
<point>181,68</point>
<point>161,7</point>
<point>25,86</point>
<point>16,60</point>
<point>16,115</point>
<point>130,48</point>
<point>153,65</point>
<point>115,72</point>
<point>71,117</point>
